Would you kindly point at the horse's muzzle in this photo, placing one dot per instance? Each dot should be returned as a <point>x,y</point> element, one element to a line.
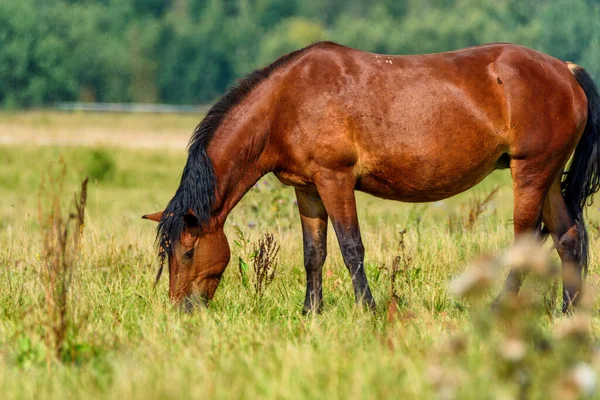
<point>192,302</point>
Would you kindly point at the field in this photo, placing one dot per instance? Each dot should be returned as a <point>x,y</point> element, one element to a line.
<point>124,339</point>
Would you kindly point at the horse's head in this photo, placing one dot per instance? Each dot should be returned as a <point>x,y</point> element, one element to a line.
<point>196,260</point>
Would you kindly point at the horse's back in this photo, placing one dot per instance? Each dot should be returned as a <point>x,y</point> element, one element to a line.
<point>425,127</point>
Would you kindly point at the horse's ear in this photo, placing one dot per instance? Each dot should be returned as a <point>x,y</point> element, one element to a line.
<point>191,221</point>
<point>192,230</point>
<point>156,217</point>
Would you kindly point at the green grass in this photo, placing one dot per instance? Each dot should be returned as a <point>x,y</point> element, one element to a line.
<point>128,342</point>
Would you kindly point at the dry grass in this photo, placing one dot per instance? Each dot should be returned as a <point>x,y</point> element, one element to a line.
<point>468,214</point>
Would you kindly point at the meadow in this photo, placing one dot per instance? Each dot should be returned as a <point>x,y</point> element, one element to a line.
<point>125,340</point>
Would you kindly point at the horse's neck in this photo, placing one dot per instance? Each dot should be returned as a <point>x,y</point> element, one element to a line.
<point>237,152</point>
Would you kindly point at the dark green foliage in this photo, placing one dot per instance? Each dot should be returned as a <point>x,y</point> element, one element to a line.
<point>190,51</point>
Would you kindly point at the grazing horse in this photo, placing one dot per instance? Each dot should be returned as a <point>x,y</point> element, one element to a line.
<point>329,120</point>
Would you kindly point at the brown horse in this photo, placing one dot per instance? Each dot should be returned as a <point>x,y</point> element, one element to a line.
<point>329,120</point>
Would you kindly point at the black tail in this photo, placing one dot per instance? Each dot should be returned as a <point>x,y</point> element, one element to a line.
<point>582,179</point>
<point>196,192</point>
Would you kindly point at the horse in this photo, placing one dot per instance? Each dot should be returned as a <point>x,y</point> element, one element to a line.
<point>329,120</point>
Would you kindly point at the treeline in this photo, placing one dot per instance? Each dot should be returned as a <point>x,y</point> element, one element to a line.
<point>189,51</point>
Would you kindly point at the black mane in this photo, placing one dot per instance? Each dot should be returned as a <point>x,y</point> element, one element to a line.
<point>205,130</point>
<point>196,192</point>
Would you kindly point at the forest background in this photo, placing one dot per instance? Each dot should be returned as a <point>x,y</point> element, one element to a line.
<point>190,51</point>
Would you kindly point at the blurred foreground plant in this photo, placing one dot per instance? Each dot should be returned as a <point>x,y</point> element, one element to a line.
<point>518,333</point>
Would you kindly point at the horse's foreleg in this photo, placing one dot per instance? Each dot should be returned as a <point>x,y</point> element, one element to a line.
<point>314,234</point>
<point>337,192</point>
<point>565,234</point>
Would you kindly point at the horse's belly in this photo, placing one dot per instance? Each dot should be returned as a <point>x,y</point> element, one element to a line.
<point>421,160</point>
<point>423,184</point>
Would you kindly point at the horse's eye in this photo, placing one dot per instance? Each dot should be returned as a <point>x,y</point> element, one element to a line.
<point>189,254</point>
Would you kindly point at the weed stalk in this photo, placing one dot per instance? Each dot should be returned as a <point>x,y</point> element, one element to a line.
<point>59,258</point>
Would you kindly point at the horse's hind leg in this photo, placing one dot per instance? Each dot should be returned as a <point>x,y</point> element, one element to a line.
<point>565,234</point>
<point>314,235</point>
<point>337,192</point>
<point>529,188</point>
